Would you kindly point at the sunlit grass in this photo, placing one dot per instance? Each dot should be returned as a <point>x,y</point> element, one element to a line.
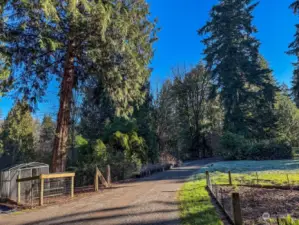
<point>196,206</point>
<point>195,203</point>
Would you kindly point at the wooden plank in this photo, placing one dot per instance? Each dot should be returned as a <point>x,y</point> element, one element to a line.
<point>56,175</point>
<point>41,192</point>
<point>72,187</point>
<point>109,175</point>
<point>102,178</point>
<point>96,181</point>
<point>19,189</point>
<point>28,179</point>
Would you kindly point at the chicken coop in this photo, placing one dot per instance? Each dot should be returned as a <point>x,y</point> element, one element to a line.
<point>9,176</point>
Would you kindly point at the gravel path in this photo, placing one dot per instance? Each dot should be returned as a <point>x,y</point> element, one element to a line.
<point>151,200</point>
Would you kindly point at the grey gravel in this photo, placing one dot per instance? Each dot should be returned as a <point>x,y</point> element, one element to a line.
<point>151,200</point>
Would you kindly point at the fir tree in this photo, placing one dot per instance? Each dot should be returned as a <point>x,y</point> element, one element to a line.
<point>46,138</point>
<point>18,134</point>
<point>232,57</point>
<point>294,50</point>
<point>145,123</point>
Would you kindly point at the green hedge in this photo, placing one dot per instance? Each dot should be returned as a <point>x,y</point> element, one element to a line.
<point>237,147</point>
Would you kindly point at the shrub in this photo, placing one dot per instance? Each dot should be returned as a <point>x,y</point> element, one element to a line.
<point>234,147</point>
<point>237,147</point>
<point>270,150</point>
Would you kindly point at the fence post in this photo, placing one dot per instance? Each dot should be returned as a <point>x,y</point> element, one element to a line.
<point>208,178</point>
<point>289,181</point>
<point>19,190</point>
<point>109,175</point>
<point>96,181</point>
<point>230,178</point>
<point>41,191</point>
<point>237,209</point>
<point>72,186</point>
<point>222,200</point>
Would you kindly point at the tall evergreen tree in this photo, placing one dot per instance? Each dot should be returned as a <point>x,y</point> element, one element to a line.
<point>18,134</point>
<point>144,116</point>
<point>294,50</point>
<point>46,139</point>
<point>232,57</point>
<point>76,40</point>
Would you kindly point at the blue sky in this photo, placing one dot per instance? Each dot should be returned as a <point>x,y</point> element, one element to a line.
<point>179,43</point>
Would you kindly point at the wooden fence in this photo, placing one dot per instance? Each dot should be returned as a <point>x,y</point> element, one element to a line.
<point>235,216</point>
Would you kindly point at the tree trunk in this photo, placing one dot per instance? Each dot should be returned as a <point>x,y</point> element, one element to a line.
<point>63,119</point>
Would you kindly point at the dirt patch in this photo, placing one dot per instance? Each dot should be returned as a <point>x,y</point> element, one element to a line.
<point>257,201</point>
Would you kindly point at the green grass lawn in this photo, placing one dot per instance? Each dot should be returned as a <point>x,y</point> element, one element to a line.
<point>195,202</point>
<point>196,206</point>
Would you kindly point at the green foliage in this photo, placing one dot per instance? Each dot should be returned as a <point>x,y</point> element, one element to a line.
<point>288,119</point>
<point>288,221</point>
<point>18,134</point>
<point>233,60</point>
<point>185,114</point>
<point>100,150</point>
<point>145,122</point>
<point>270,150</point>
<point>130,144</point>
<point>46,139</point>
<point>293,50</point>
<point>111,41</point>
<point>123,152</point>
<point>237,147</point>
<point>86,44</point>
<point>234,146</point>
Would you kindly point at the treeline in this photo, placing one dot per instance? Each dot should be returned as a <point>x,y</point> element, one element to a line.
<point>100,51</point>
<point>24,139</point>
<point>232,96</point>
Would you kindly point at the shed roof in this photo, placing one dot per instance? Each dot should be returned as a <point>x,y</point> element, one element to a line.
<point>25,166</point>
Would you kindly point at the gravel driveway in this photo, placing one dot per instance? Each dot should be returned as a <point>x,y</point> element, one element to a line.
<point>151,200</point>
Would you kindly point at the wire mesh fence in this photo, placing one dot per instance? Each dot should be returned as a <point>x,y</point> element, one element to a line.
<point>265,198</point>
<point>29,192</point>
<point>45,189</point>
<point>57,190</point>
<point>222,197</point>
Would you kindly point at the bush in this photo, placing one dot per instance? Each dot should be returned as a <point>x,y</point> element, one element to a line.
<point>234,147</point>
<point>270,150</point>
<point>237,147</point>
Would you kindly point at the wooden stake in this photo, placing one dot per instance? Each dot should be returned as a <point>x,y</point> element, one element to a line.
<point>230,178</point>
<point>96,181</point>
<point>102,178</point>
<point>237,209</point>
<point>109,175</point>
<point>288,181</point>
<point>208,178</point>
<point>41,192</point>
<point>222,200</point>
